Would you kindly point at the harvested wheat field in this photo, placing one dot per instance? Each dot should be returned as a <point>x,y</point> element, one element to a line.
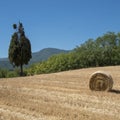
<point>59,96</point>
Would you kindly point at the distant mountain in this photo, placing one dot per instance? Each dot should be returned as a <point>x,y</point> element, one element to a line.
<point>41,55</point>
<point>4,63</point>
<point>44,54</point>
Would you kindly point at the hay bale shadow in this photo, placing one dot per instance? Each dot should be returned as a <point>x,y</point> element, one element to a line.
<point>115,91</point>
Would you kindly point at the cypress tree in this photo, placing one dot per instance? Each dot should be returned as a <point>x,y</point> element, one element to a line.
<point>20,48</point>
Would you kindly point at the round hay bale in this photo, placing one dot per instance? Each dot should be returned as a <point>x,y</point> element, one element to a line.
<point>101,81</point>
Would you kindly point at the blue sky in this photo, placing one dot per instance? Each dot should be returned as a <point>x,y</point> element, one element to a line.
<point>62,24</point>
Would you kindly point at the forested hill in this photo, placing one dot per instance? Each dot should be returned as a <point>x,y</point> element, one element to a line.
<point>41,55</point>
<point>44,54</point>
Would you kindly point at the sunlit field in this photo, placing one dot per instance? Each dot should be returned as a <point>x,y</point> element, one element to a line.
<point>59,96</point>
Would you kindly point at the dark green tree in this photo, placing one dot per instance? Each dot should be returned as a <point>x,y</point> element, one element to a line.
<point>20,48</point>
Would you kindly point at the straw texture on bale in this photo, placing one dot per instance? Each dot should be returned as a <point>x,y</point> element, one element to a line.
<point>101,81</point>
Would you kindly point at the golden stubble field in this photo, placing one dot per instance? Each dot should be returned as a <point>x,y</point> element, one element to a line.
<point>59,96</point>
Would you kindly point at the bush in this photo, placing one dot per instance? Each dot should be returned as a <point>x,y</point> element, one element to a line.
<point>11,74</point>
<point>8,74</point>
<point>3,73</point>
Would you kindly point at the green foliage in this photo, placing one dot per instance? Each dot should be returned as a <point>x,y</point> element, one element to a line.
<point>56,63</point>
<point>3,73</point>
<point>20,48</point>
<point>11,74</point>
<point>7,74</point>
<point>103,51</point>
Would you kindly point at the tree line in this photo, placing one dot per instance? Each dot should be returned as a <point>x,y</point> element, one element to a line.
<point>103,51</point>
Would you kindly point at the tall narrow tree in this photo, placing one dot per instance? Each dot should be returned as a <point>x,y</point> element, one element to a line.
<point>20,48</point>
